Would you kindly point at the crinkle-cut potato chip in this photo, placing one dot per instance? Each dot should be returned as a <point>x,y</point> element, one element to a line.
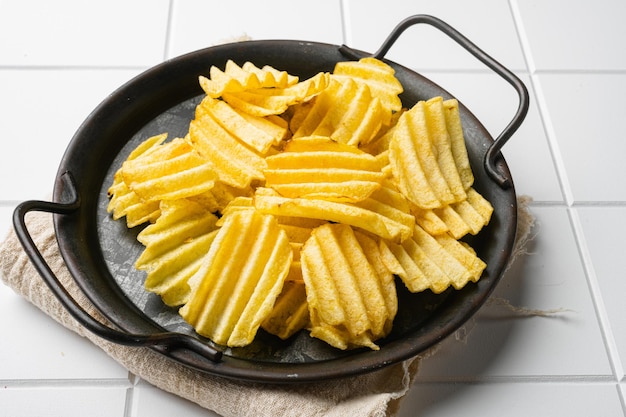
<point>391,204</point>
<point>174,248</point>
<point>345,111</point>
<point>220,196</point>
<point>458,219</point>
<point>235,163</point>
<point>259,133</point>
<point>459,150</point>
<point>414,161</point>
<point>432,262</point>
<point>346,295</point>
<point>378,76</point>
<point>269,202</point>
<point>235,78</point>
<point>435,117</point>
<point>273,101</point>
<point>290,313</point>
<point>174,170</point>
<point>125,202</point>
<point>239,280</point>
<point>331,172</point>
<point>270,76</point>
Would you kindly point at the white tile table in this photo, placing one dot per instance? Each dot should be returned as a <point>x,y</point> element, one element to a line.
<point>59,59</point>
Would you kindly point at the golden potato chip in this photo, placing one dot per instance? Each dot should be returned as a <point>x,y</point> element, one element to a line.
<point>174,170</point>
<point>344,291</point>
<point>331,173</point>
<point>290,313</point>
<point>414,163</point>
<point>221,195</point>
<point>480,204</point>
<point>345,111</point>
<point>458,219</point>
<point>125,202</point>
<point>269,202</point>
<point>235,163</point>
<point>378,76</point>
<point>235,78</point>
<point>435,117</point>
<point>466,256</point>
<point>240,278</point>
<point>270,77</point>
<point>174,247</point>
<point>273,101</point>
<point>459,150</point>
<point>427,262</point>
<point>259,133</point>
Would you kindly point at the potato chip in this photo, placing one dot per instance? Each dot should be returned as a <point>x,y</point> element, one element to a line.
<point>435,117</point>
<point>235,163</point>
<point>290,313</point>
<point>458,219</point>
<point>427,262</point>
<point>240,278</point>
<point>235,78</point>
<point>269,202</point>
<point>335,172</point>
<point>344,290</point>
<point>459,150</point>
<point>221,195</point>
<point>259,133</point>
<point>174,170</point>
<point>174,247</point>
<point>272,101</point>
<point>378,76</point>
<point>414,163</point>
<point>345,111</point>
<point>125,202</point>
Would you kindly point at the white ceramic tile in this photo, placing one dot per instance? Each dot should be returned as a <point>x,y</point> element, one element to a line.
<point>512,400</point>
<point>494,103</point>
<point>42,109</point>
<point>149,401</point>
<point>6,222</point>
<point>74,32</point>
<point>36,347</point>
<point>574,35</point>
<point>73,401</point>
<point>501,342</point>
<point>489,24</point>
<point>199,24</point>
<point>604,229</point>
<point>584,115</point>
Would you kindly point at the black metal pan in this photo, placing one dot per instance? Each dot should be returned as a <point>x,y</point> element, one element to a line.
<point>100,252</point>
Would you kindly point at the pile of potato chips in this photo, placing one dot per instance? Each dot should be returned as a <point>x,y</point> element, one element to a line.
<point>293,204</point>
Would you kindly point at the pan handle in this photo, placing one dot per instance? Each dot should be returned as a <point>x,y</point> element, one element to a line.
<point>164,340</point>
<point>490,160</point>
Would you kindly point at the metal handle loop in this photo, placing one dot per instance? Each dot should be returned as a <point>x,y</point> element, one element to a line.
<point>165,340</point>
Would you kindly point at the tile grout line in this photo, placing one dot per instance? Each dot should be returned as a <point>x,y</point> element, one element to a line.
<point>596,295</point>
<point>345,24</point>
<point>168,31</point>
<point>542,107</point>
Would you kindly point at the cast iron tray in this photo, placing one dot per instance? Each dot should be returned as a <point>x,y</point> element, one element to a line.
<point>100,252</point>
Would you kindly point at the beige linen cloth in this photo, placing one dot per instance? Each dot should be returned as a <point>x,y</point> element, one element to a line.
<point>377,394</point>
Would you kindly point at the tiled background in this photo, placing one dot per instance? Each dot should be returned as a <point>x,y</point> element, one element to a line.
<point>59,59</point>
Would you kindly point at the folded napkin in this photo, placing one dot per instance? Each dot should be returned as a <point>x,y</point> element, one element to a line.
<point>376,394</point>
